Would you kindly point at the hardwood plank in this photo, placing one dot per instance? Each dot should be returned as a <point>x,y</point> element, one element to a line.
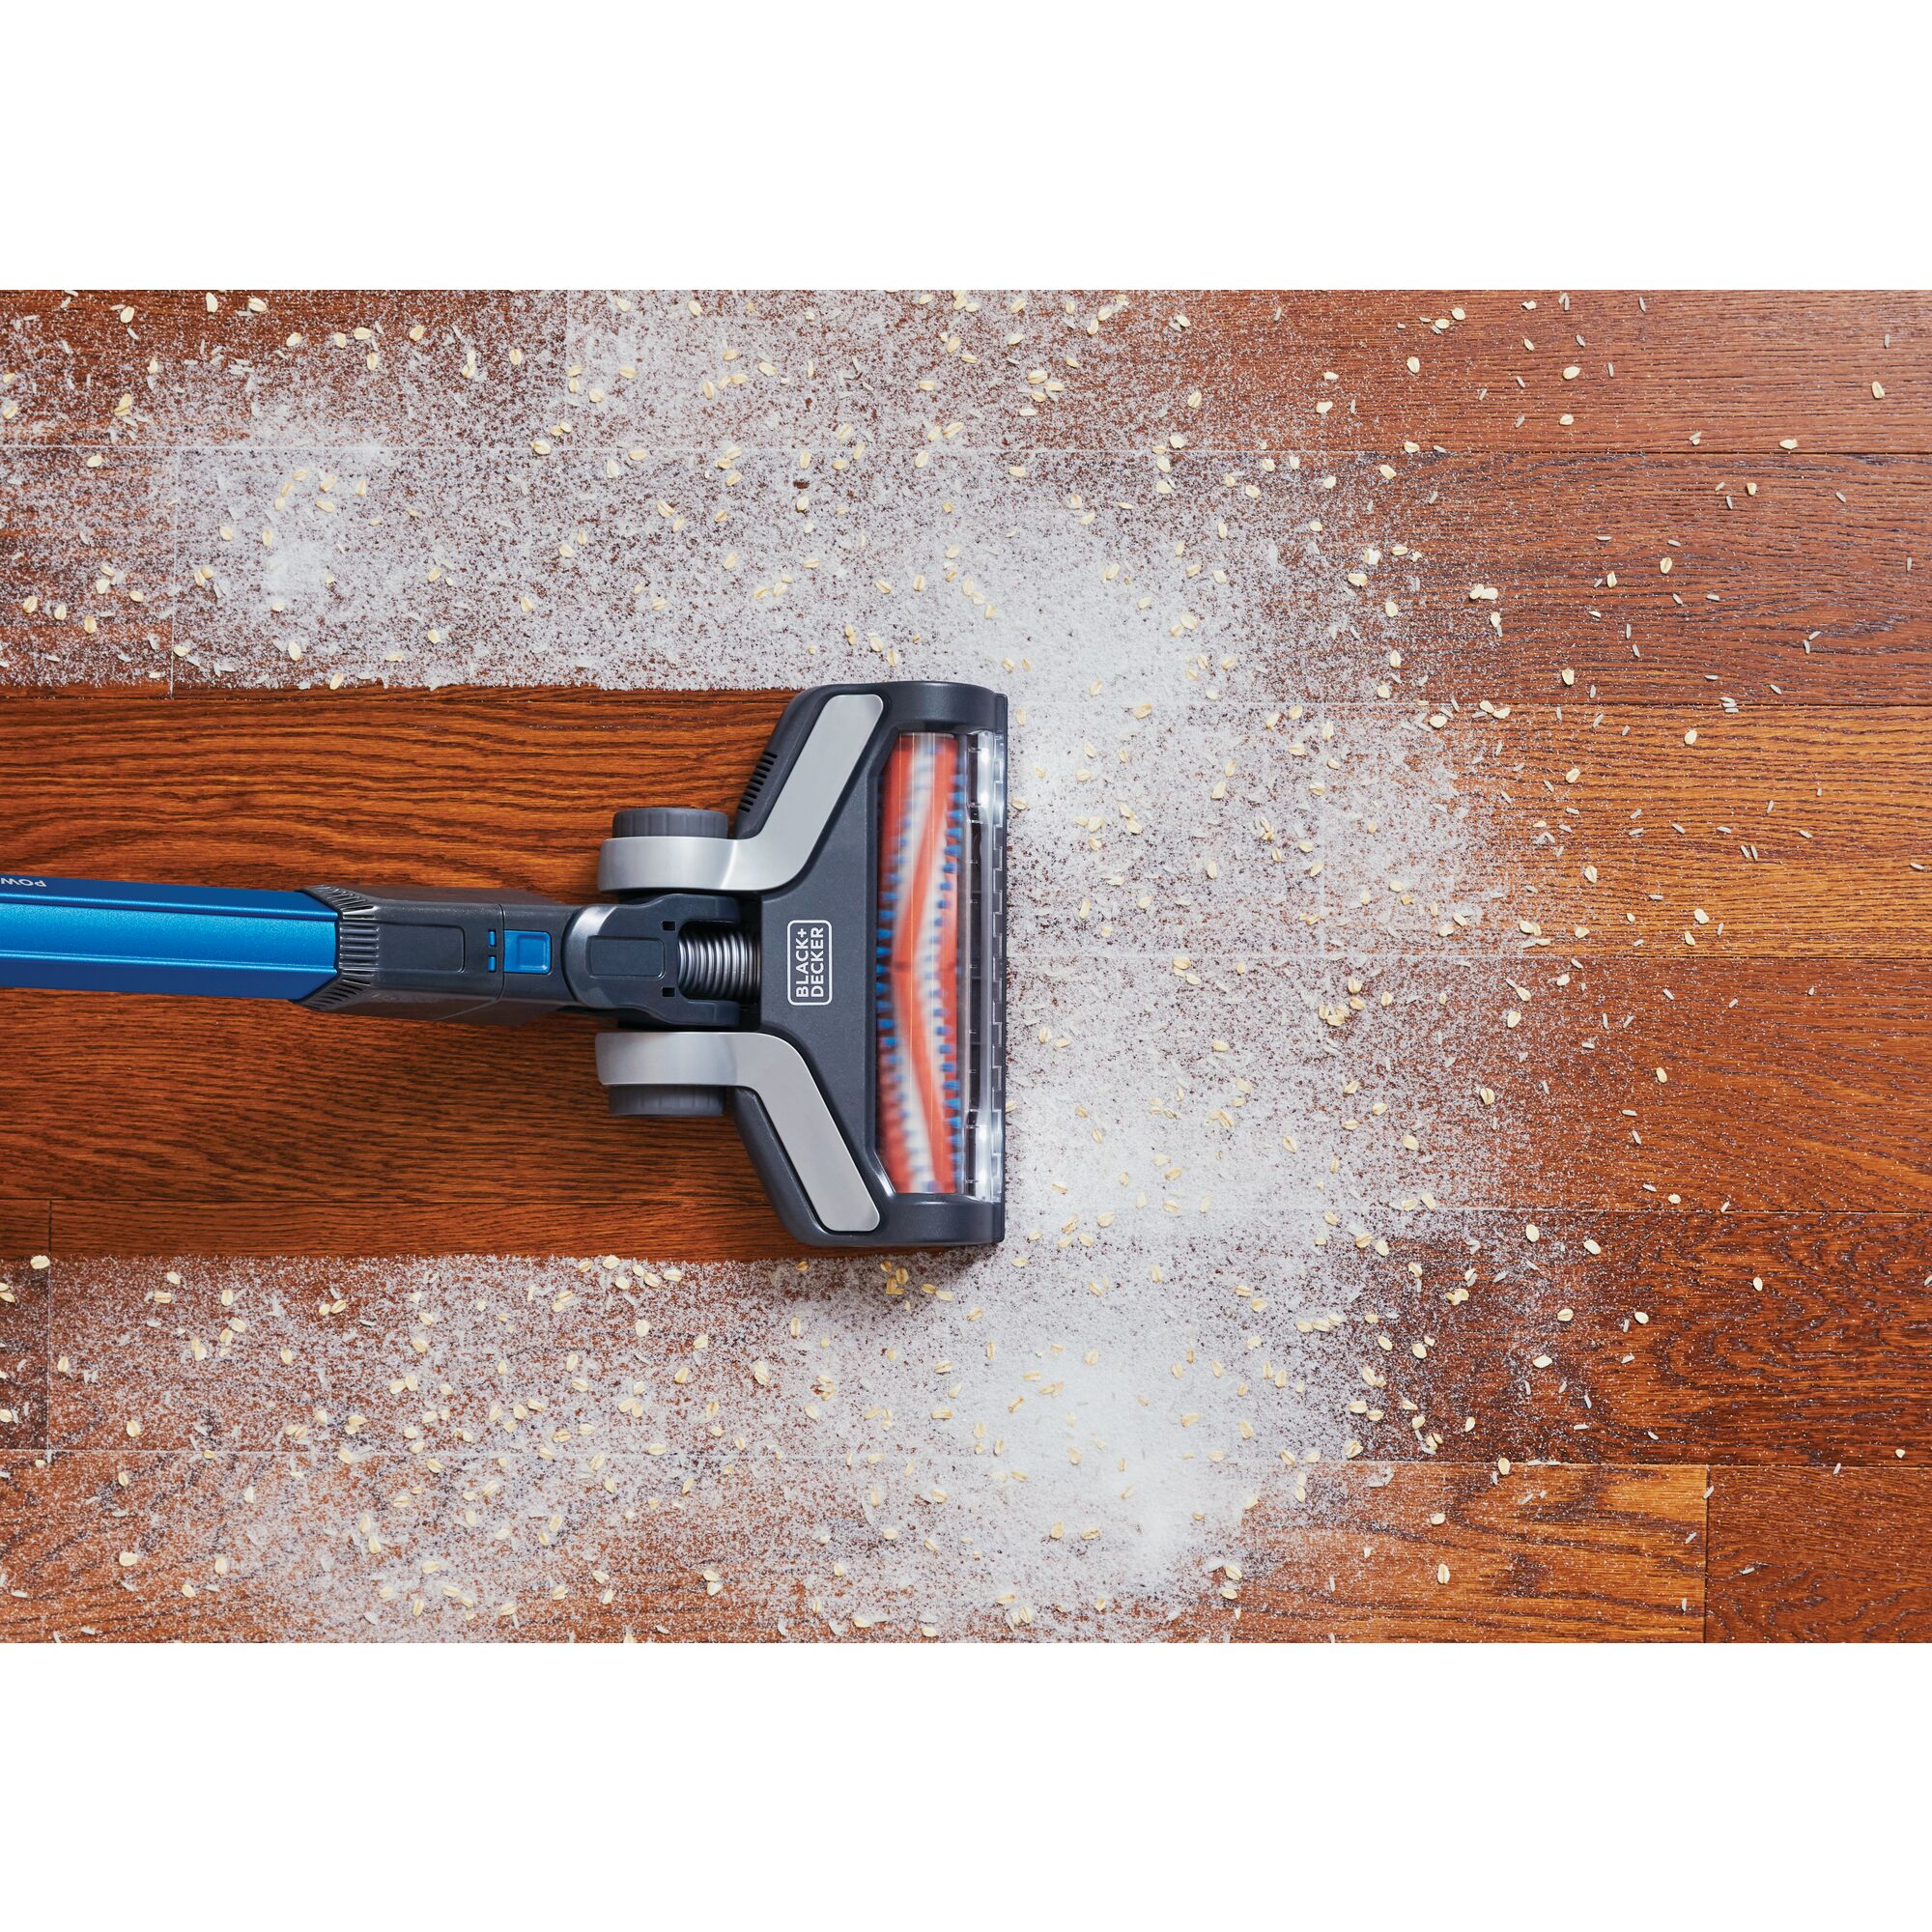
<point>25,1226</point>
<point>1791,575</point>
<point>268,1546</point>
<point>1715,1083</point>
<point>1783,1085</point>
<point>516,788</point>
<point>1799,577</point>
<point>351,1335</point>
<point>1684,1338</point>
<point>1542,1554</point>
<point>107,1102</point>
<point>1737,369</point>
<point>1816,1556</point>
<point>709,1194</point>
<point>258,1548</point>
<point>1620,832</point>
<point>1764,1339</point>
<point>213,1105</point>
<point>194,376</point>
<point>481,788</point>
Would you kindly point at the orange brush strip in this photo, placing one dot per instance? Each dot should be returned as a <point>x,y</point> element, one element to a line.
<point>917,1000</point>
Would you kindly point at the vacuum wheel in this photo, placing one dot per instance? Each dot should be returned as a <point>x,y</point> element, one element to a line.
<point>669,821</point>
<point>666,1103</point>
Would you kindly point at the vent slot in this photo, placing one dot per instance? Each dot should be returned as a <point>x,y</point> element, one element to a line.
<point>761,772</point>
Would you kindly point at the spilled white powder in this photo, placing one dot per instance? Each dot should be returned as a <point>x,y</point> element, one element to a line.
<point>1236,849</point>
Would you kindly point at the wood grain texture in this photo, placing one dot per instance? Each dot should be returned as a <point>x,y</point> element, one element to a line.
<point>1780,1089</point>
<point>1738,370</point>
<point>471,788</point>
<point>722,1211</point>
<point>1686,1338</point>
<point>1745,1339</point>
<point>1540,1553</point>
<point>1798,577</point>
<point>1783,1093</point>
<point>1817,1555</point>
<point>1765,1208</point>
<point>24,1226</point>
<point>1736,1339</point>
<point>1795,831</point>
<point>1794,577</point>
<point>234,1546</point>
<point>192,374</point>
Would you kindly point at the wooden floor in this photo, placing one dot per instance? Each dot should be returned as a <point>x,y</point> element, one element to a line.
<point>1761,1461</point>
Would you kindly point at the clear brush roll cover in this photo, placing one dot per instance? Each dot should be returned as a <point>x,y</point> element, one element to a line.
<point>939,967</point>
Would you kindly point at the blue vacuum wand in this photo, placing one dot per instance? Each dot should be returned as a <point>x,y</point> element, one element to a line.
<point>102,937</point>
<point>832,968</point>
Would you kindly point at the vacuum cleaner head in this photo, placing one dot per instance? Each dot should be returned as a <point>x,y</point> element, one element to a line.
<point>831,967</point>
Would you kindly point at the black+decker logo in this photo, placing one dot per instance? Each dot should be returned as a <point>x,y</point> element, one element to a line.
<point>809,962</point>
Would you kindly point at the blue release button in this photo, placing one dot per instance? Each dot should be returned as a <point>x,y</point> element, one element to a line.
<point>525,951</point>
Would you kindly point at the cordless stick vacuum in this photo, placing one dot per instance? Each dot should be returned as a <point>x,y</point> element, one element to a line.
<point>832,966</point>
